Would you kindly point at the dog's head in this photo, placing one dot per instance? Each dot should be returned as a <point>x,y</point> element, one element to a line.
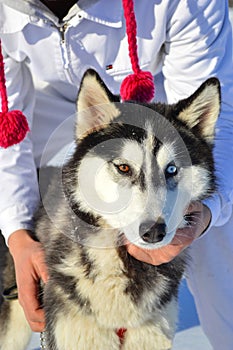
<point>138,166</point>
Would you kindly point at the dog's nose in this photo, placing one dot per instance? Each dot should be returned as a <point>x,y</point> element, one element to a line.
<point>152,232</point>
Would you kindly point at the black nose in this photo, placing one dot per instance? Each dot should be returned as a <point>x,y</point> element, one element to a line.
<point>152,232</point>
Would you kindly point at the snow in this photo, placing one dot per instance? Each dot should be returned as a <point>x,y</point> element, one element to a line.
<point>191,339</point>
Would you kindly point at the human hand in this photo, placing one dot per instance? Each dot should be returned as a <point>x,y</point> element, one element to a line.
<point>30,268</point>
<point>199,219</point>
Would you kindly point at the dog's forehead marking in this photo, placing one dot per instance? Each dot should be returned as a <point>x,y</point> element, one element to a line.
<point>150,139</point>
<point>166,154</point>
<point>149,145</point>
<point>133,152</point>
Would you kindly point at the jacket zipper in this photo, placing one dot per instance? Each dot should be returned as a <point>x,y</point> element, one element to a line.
<point>65,58</point>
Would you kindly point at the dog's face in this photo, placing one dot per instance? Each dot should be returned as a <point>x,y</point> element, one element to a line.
<point>137,167</point>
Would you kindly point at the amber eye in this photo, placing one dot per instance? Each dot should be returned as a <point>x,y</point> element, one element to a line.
<point>123,168</point>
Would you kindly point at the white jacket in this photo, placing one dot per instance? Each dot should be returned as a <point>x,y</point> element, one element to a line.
<point>181,42</point>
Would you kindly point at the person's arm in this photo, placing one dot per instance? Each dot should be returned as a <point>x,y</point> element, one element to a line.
<point>20,196</point>
<point>198,46</point>
<point>30,268</point>
<point>19,186</point>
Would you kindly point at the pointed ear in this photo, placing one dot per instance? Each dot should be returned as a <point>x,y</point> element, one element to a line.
<point>95,104</point>
<point>201,110</point>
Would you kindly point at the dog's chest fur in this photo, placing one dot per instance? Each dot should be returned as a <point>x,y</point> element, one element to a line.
<point>107,289</point>
<point>110,285</point>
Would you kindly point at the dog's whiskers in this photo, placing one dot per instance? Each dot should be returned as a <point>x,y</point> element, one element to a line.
<point>193,219</point>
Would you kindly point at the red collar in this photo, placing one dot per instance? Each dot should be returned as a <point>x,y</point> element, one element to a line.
<point>121,334</point>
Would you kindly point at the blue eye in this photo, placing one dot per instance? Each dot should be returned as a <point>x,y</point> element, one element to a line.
<point>171,170</point>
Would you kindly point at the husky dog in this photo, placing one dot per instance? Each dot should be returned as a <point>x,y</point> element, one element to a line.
<point>134,171</point>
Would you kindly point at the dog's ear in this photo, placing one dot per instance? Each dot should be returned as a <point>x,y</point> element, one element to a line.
<point>95,104</point>
<point>201,110</point>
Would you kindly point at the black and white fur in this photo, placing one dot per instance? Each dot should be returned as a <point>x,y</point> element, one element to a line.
<point>135,169</point>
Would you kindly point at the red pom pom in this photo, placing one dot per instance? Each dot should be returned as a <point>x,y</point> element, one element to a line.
<point>138,87</point>
<point>13,128</point>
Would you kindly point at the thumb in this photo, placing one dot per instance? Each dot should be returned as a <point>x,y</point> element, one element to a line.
<point>44,274</point>
<point>41,267</point>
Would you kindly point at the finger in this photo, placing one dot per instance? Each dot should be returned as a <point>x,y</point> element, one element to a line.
<point>138,253</point>
<point>43,273</point>
<point>40,266</point>
<point>28,298</point>
<point>156,256</point>
<point>36,319</point>
<point>35,316</point>
<point>167,253</point>
<point>37,326</point>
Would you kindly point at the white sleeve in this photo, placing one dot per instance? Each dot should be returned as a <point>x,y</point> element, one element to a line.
<point>18,186</point>
<point>198,46</point>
